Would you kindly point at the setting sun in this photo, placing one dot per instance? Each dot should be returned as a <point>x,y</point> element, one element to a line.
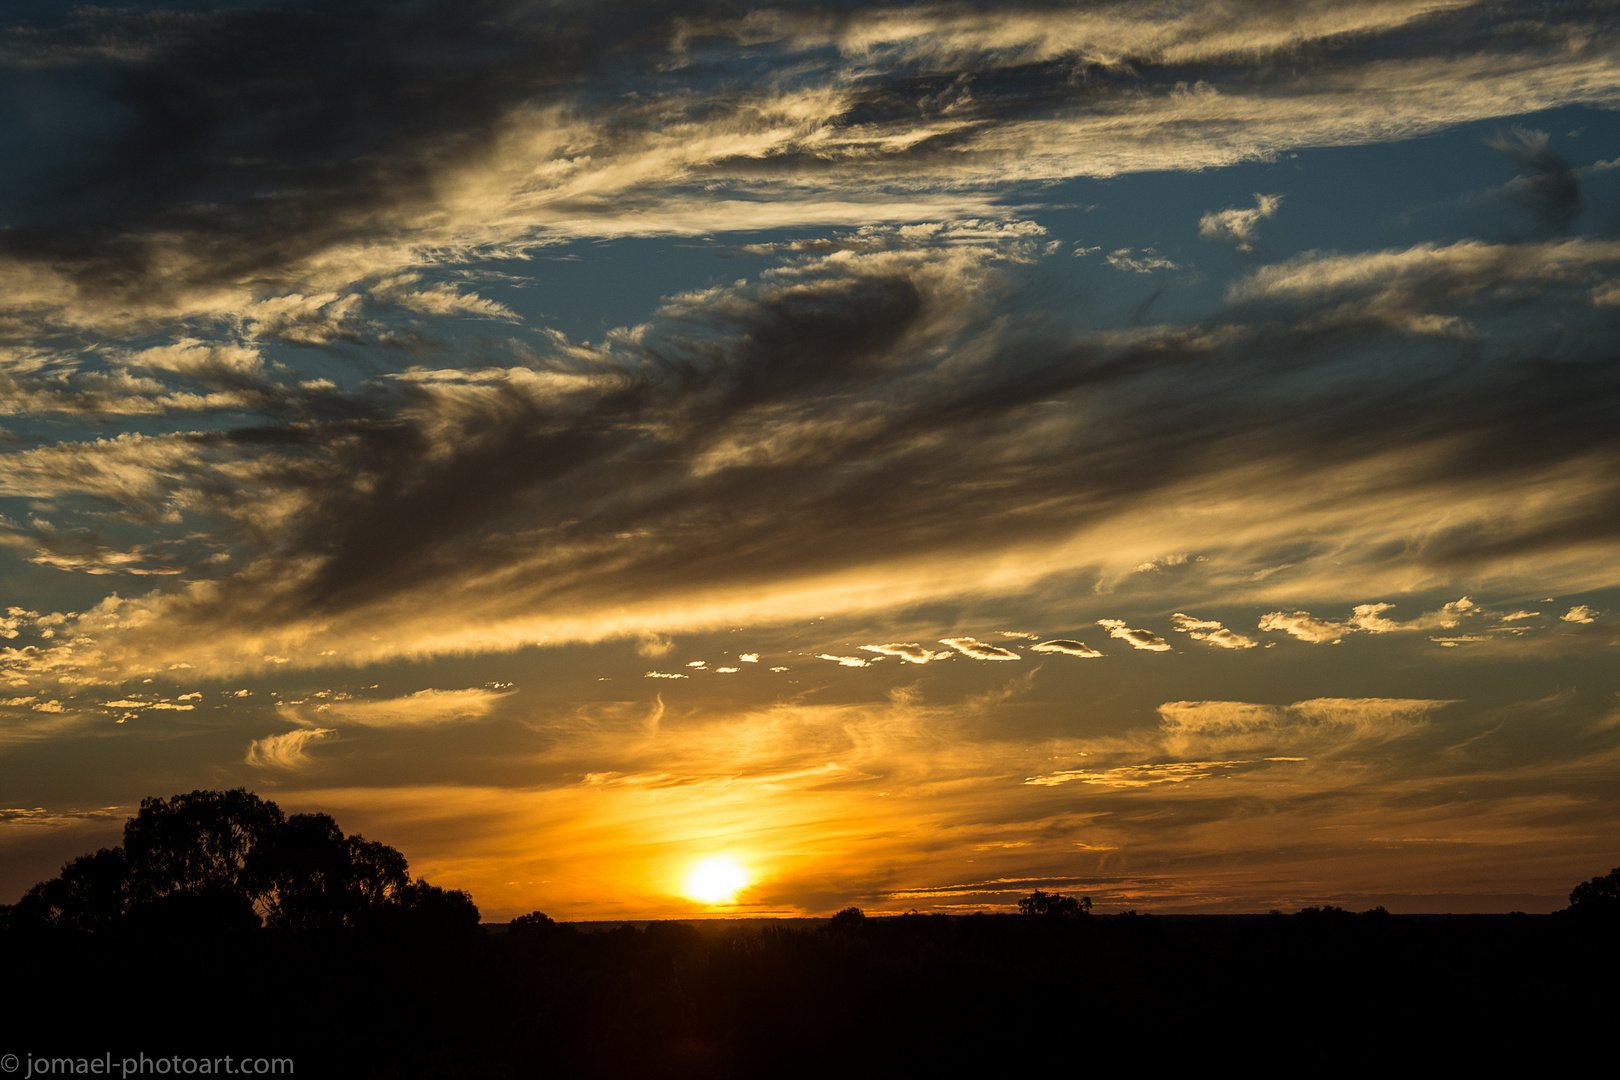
<point>715,881</point>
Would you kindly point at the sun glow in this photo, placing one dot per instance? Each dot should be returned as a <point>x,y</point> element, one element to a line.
<point>716,880</point>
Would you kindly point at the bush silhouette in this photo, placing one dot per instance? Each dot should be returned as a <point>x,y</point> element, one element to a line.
<point>851,918</point>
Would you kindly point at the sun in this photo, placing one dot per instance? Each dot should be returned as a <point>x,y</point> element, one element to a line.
<point>716,880</point>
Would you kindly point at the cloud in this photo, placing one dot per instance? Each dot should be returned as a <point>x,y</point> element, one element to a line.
<point>1368,618</point>
<point>845,661</point>
<point>1067,646</point>
<point>860,783</point>
<point>910,652</point>
<point>1321,728</point>
<point>652,646</point>
<point>980,650</point>
<point>1139,639</point>
<point>1303,626</point>
<point>1212,632</point>
<point>1165,562</point>
<point>1579,614</point>
<point>1548,187</point>
<point>15,620</point>
<point>1327,723</point>
<point>1425,289</point>
<point>135,703</point>
<point>1238,227</point>
<point>1145,263</point>
<point>423,708</point>
<point>289,750</point>
<point>1138,776</point>
<point>406,291</point>
<point>848,430</point>
<point>389,157</point>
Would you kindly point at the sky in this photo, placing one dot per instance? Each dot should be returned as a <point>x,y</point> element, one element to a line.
<point>902,455</point>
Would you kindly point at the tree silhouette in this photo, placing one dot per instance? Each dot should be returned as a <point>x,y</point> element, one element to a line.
<point>320,879</point>
<point>427,910</point>
<point>204,842</point>
<point>535,926</point>
<point>91,893</point>
<point>229,860</point>
<point>1054,905</point>
<point>851,918</point>
<point>1597,896</point>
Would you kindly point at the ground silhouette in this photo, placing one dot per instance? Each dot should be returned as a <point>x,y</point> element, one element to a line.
<point>221,925</point>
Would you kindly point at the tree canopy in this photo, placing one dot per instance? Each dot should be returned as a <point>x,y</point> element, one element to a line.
<point>1597,896</point>
<point>229,860</point>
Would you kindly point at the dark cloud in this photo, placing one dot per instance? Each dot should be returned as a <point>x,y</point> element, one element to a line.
<point>1548,186</point>
<point>236,145</point>
<point>877,400</point>
<point>829,417</point>
<point>300,149</point>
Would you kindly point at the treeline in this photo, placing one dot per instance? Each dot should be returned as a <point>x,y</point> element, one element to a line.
<point>354,978</point>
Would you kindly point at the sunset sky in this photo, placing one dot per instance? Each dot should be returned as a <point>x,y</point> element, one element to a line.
<point>891,455</point>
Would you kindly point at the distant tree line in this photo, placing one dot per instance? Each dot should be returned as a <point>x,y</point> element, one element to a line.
<point>222,924</point>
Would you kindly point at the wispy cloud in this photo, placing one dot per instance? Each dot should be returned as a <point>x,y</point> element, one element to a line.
<point>911,652</point>
<point>1239,227</point>
<point>980,650</point>
<point>289,750</point>
<point>1211,631</point>
<point>1369,619</point>
<point>1302,625</point>
<point>1067,646</point>
<point>1138,639</point>
<point>424,707</point>
<point>443,506</point>
<point>1197,726</point>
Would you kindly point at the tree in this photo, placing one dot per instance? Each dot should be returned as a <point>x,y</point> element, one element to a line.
<point>224,860</point>
<point>429,911</point>
<point>1054,905</point>
<point>91,893</point>
<point>1597,896</point>
<point>319,879</point>
<point>535,926</point>
<point>207,841</point>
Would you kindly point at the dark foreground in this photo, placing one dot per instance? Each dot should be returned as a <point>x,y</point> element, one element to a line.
<point>223,937</point>
<point>1320,991</point>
